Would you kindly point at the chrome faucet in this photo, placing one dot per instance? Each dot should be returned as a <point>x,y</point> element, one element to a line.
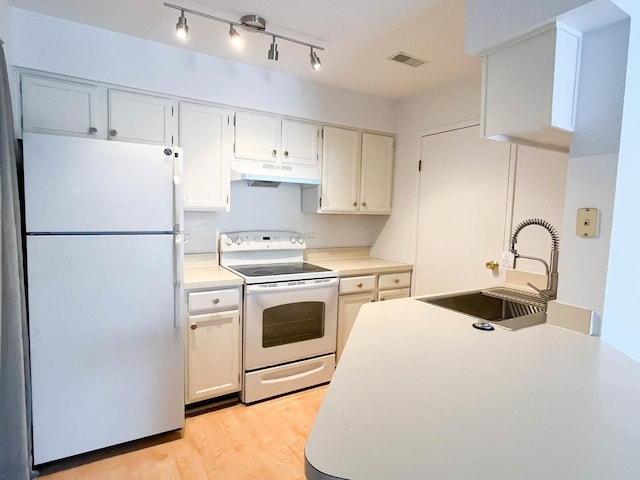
<point>551,268</point>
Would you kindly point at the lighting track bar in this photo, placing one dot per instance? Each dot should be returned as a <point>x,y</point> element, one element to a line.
<point>238,24</point>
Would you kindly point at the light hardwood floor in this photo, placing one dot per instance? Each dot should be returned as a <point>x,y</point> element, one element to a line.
<point>261,441</point>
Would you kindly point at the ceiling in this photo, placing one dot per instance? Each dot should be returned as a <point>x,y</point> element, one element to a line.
<point>358,36</point>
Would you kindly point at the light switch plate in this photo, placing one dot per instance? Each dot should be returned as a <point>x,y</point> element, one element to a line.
<point>587,222</point>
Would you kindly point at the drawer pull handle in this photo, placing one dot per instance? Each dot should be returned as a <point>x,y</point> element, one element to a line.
<point>360,285</point>
<point>194,326</point>
<point>216,301</point>
<point>397,280</point>
<point>382,299</point>
<point>371,300</point>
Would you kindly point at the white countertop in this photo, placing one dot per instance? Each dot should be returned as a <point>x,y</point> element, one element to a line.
<point>353,261</point>
<point>419,394</point>
<point>203,271</point>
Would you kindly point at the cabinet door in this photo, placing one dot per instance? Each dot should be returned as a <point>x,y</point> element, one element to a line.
<point>206,140</point>
<point>300,141</point>
<point>462,210</point>
<point>257,137</point>
<point>61,107</point>
<point>213,355</point>
<point>340,170</point>
<point>138,118</point>
<point>376,177</point>
<point>348,308</point>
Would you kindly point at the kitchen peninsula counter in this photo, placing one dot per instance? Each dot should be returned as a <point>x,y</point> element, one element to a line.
<point>419,393</point>
<point>353,261</point>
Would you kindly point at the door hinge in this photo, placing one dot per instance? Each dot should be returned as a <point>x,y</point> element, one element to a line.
<point>228,119</point>
<point>234,119</point>
<point>22,123</point>
<point>171,139</point>
<point>320,202</point>
<point>227,199</point>
<point>172,110</point>
<point>419,165</point>
<point>234,147</point>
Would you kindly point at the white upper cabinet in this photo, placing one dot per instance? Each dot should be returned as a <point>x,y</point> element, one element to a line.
<point>271,145</point>
<point>206,137</point>
<point>62,107</point>
<point>376,176</point>
<point>357,173</point>
<point>530,89</point>
<point>257,137</point>
<point>134,117</point>
<point>300,142</point>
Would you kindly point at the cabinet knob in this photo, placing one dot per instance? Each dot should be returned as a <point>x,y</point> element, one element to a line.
<point>286,153</point>
<point>364,204</point>
<point>274,152</point>
<point>216,301</point>
<point>371,300</point>
<point>359,285</point>
<point>113,133</point>
<point>397,280</point>
<point>492,265</point>
<point>194,326</point>
<point>93,130</point>
<point>355,204</point>
<point>382,299</point>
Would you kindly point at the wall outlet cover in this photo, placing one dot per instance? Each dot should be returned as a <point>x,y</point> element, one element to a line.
<point>587,221</point>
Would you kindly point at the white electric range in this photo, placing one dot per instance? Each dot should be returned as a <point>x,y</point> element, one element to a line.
<point>290,312</point>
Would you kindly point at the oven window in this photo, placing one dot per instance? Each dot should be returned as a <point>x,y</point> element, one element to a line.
<point>291,323</point>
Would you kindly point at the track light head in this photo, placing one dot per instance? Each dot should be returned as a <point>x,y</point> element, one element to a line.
<point>273,50</point>
<point>315,60</point>
<point>234,37</point>
<point>182,29</point>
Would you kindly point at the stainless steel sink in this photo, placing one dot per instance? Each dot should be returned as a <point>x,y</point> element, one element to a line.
<point>499,312</point>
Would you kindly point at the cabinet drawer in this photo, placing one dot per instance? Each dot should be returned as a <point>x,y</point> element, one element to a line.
<point>391,294</point>
<point>394,280</point>
<point>357,284</point>
<point>212,300</point>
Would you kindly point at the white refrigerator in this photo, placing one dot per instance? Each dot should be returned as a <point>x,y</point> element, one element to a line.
<point>104,283</point>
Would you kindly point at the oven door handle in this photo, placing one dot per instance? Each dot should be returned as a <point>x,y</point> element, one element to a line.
<point>291,286</point>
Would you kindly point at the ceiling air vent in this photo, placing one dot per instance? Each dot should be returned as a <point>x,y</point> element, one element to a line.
<point>402,57</point>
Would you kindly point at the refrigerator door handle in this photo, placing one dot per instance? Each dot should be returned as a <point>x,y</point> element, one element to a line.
<point>178,200</point>
<point>178,265</point>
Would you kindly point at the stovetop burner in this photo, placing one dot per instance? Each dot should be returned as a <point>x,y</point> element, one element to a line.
<point>264,270</point>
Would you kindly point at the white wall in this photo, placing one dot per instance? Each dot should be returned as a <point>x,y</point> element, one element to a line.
<point>5,25</point>
<point>55,45</point>
<point>445,106</point>
<point>621,327</point>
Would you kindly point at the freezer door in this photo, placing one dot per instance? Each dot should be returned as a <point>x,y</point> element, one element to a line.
<point>106,356</point>
<point>87,185</point>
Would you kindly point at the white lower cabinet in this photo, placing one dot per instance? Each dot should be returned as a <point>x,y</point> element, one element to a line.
<point>356,291</point>
<point>213,344</point>
<point>348,308</point>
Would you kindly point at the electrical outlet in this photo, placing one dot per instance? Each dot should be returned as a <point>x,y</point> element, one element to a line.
<point>310,236</point>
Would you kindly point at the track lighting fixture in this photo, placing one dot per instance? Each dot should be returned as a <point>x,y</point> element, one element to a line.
<point>251,23</point>
<point>315,60</point>
<point>234,37</point>
<point>182,29</point>
<point>273,51</point>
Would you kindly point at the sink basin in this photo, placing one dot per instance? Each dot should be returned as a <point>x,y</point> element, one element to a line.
<point>502,313</point>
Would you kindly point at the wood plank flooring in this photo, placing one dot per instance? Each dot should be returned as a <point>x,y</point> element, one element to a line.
<point>261,441</point>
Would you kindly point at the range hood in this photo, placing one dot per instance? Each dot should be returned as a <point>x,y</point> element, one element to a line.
<point>272,174</point>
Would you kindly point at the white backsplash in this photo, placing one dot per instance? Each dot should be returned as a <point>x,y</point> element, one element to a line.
<point>256,208</point>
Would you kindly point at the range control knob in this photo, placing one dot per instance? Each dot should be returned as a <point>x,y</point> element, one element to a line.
<point>238,240</point>
<point>300,239</point>
<point>292,238</point>
<point>228,240</point>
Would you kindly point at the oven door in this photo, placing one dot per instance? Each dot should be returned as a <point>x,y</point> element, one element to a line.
<point>287,321</point>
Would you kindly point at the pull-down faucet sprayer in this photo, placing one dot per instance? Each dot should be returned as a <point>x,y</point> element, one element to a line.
<point>552,267</point>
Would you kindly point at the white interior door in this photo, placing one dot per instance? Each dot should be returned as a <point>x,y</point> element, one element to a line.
<point>464,185</point>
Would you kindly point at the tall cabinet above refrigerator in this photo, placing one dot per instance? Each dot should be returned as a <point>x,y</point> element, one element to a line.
<point>104,285</point>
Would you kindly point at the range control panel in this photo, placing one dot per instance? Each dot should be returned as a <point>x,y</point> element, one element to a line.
<point>261,240</point>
